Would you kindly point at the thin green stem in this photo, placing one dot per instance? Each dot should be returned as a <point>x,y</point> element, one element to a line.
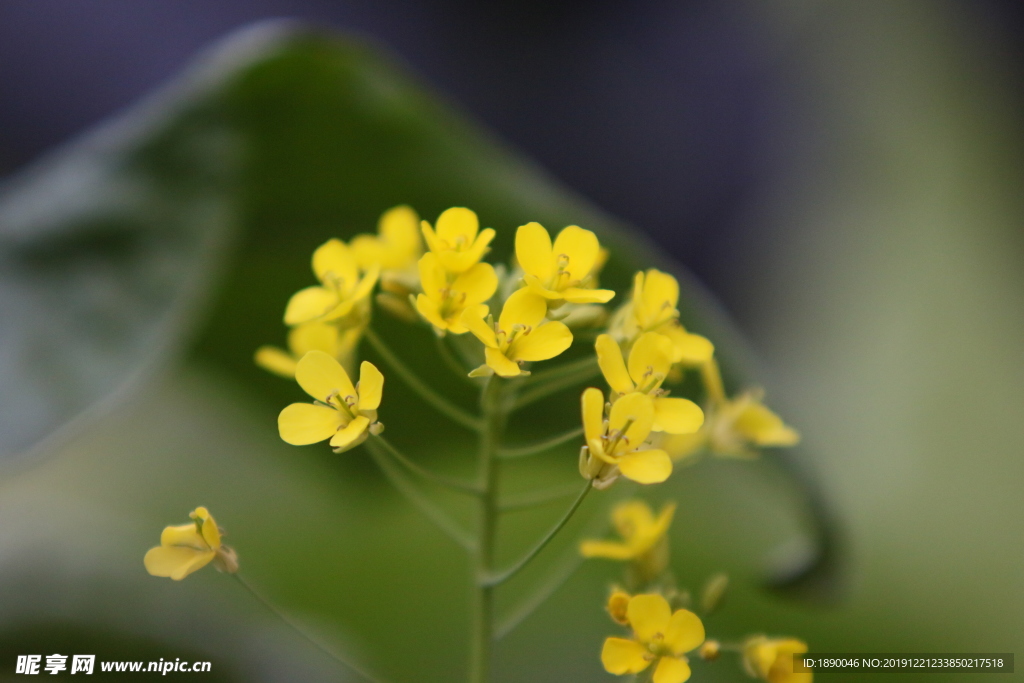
<point>564,570</point>
<point>425,474</point>
<point>439,402</point>
<point>445,351</point>
<point>534,498</point>
<point>503,576</point>
<point>570,368</point>
<point>537,448</point>
<point>435,514</point>
<point>554,386</point>
<point>302,632</point>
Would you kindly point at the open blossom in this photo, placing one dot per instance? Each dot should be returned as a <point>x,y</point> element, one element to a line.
<point>444,298</point>
<point>326,337</point>
<point>771,659</point>
<point>518,336</point>
<point>342,292</point>
<point>397,246</point>
<point>187,548</point>
<point>343,413</point>
<point>661,639</point>
<point>563,271</point>
<point>640,530</point>
<point>456,240</point>
<point>617,445</point>
<point>650,360</point>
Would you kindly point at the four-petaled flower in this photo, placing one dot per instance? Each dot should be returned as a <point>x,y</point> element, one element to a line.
<point>660,638</point>
<point>771,659</point>
<point>326,337</point>
<point>343,413</point>
<point>342,292</point>
<point>650,360</point>
<point>189,547</point>
<point>396,246</point>
<point>444,298</point>
<point>616,445</point>
<point>563,271</point>
<point>640,530</point>
<point>518,336</point>
<point>456,241</point>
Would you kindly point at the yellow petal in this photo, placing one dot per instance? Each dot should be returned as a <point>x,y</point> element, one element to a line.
<point>183,535</point>
<point>433,242</point>
<point>460,261</point>
<point>523,307</point>
<point>334,261</point>
<point>321,376</point>
<point>592,402</point>
<point>211,534</point>
<point>763,427</point>
<point>635,410</point>
<point>366,284</point>
<point>632,517</point>
<point>275,360</point>
<point>691,349</point>
<point>649,615</point>
<point>432,277</point>
<point>542,343</point>
<point>533,251</point>
<point>400,227</point>
<point>301,424</point>
<point>579,295</point>
<point>501,365</point>
<point>474,318</point>
<point>650,359</point>
<point>455,223</point>
<point>309,304</point>
<point>685,632</point>
<point>371,386</point>
<point>680,446</point>
<point>313,336</point>
<point>608,550</point>
<point>621,656</point>
<point>661,291</point>
<point>672,670</point>
<point>646,467</point>
<point>176,562</point>
<point>677,415</point>
<point>428,308</point>
<point>356,429</point>
<point>478,284</point>
<point>613,367</point>
<point>581,247</point>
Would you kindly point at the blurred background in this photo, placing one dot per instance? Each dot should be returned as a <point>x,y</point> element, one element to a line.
<point>844,177</point>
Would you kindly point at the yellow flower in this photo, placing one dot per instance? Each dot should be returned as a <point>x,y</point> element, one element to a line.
<point>650,360</point>
<point>771,659</point>
<point>190,547</point>
<point>519,336</point>
<point>639,529</point>
<point>735,427</point>
<point>443,299</point>
<point>308,337</point>
<point>456,243</point>
<point>616,445</point>
<point>396,246</point>
<point>653,308</point>
<point>660,638</point>
<point>343,413</point>
<point>342,292</point>
<point>564,271</point>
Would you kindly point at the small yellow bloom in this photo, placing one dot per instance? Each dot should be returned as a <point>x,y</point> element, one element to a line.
<point>639,529</point>
<point>771,659</point>
<point>653,308</point>
<point>618,603</point>
<point>565,271</point>
<point>189,547</point>
<point>342,293</point>
<point>710,650</point>
<point>343,413</point>
<point>396,246</point>
<point>650,360</point>
<point>660,637</point>
<point>735,427</point>
<point>617,445</point>
<point>456,241</point>
<point>307,337</point>
<point>443,299</point>
<point>519,335</point>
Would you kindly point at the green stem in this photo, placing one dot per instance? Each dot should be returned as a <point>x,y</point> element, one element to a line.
<point>302,632</point>
<point>502,577</point>
<point>565,568</point>
<point>440,403</point>
<point>451,361</point>
<point>435,514</point>
<point>554,386</point>
<point>534,498</point>
<point>425,474</point>
<point>570,368</point>
<point>482,625</point>
<point>548,444</point>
